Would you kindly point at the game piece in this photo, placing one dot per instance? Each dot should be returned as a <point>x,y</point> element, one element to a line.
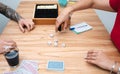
<point>49,43</point>
<point>54,6</point>
<point>63,45</point>
<point>56,40</point>
<point>55,65</point>
<point>72,28</point>
<point>60,28</point>
<point>55,44</point>
<point>51,35</point>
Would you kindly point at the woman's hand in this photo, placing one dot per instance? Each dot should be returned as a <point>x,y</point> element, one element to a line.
<point>5,43</point>
<point>100,59</point>
<point>26,24</point>
<point>64,19</point>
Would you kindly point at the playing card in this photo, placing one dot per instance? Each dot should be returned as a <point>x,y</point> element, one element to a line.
<point>81,27</point>
<point>26,67</point>
<point>55,65</point>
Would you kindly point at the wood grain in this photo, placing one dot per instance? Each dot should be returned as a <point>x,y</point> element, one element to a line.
<point>33,45</point>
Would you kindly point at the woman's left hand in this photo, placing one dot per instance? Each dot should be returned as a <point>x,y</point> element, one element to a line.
<point>100,59</point>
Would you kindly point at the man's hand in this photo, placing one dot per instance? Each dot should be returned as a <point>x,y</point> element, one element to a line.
<point>4,43</point>
<point>26,24</point>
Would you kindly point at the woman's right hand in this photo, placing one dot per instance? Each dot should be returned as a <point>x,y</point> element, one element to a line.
<point>6,43</point>
<point>64,19</point>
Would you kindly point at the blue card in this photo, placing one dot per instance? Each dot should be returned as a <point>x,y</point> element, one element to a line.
<point>55,65</point>
<point>81,27</point>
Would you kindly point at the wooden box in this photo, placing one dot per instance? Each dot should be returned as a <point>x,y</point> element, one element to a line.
<point>45,14</point>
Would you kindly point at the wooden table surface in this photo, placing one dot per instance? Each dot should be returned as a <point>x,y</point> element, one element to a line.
<point>33,45</point>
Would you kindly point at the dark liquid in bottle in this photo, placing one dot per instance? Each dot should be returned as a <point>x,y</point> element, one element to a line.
<point>12,57</point>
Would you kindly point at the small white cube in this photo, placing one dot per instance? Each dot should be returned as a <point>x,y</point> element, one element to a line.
<point>63,45</point>
<point>55,44</point>
<point>51,35</point>
<point>49,43</point>
<point>56,40</point>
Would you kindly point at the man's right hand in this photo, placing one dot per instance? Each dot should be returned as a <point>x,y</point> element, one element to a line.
<point>4,43</point>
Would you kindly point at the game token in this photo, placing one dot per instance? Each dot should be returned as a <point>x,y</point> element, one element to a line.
<point>55,44</point>
<point>51,35</point>
<point>56,40</point>
<point>49,43</point>
<point>63,45</point>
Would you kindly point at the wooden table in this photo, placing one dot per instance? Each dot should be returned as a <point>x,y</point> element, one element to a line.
<point>33,45</point>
